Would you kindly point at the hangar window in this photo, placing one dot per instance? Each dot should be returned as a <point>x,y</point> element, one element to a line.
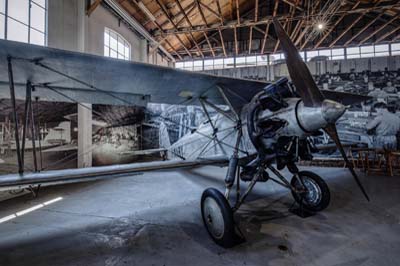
<point>382,50</point>
<point>367,51</point>
<point>240,61</point>
<point>262,60</point>
<point>337,54</point>
<point>188,65</point>
<point>251,61</point>
<point>326,53</point>
<point>23,21</point>
<point>395,48</point>
<point>311,55</point>
<point>2,24</point>
<point>275,57</point>
<point>218,63</point>
<point>116,46</point>
<point>178,65</point>
<point>198,65</point>
<point>353,52</point>
<point>208,64</point>
<point>229,62</point>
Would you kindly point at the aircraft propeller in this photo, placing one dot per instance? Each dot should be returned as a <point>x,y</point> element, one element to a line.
<point>309,91</point>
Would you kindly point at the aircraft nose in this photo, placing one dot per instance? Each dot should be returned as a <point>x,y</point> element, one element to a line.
<point>332,111</point>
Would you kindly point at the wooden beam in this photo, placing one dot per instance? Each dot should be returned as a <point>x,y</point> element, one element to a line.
<point>198,4</point>
<point>219,11</point>
<point>396,38</point>
<point>274,13</point>
<point>164,38</point>
<point>306,28</point>
<point>222,42</point>
<point>265,39</point>
<point>250,39</point>
<point>284,26</point>
<point>261,21</point>
<point>353,24</point>
<point>259,30</point>
<point>337,21</point>
<point>384,36</point>
<point>165,11</point>
<point>295,5</point>
<point>296,29</point>
<point>190,24</point>
<point>236,41</point>
<point>380,28</point>
<point>211,11</point>
<point>209,44</point>
<point>238,12</point>
<point>173,49</point>
<point>256,11</point>
<point>367,26</point>
<point>188,9</point>
<point>201,12</point>
<point>92,7</point>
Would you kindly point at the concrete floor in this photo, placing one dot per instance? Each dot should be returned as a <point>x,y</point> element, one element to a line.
<point>154,219</point>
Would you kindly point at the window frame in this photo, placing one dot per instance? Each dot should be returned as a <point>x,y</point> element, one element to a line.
<point>42,32</point>
<point>124,43</point>
<point>338,53</point>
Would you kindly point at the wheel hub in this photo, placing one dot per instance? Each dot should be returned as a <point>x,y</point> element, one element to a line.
<point>313,193</point>
<point>214,218</point>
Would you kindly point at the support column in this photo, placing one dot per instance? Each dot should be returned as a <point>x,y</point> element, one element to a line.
<point>144,51</point>
<point>84,109</point>
<point>84,135</point>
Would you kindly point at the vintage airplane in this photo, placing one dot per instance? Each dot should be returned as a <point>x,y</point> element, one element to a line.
<point>256,123</point>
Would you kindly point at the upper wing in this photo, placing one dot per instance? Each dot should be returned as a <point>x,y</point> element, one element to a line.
<point>101,80</point>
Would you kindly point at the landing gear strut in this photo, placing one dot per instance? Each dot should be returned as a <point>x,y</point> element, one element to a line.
<point>308,189</point>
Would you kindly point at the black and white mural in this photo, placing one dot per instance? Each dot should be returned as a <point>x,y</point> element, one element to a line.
<point>124,134</point>
<point>374,123</point>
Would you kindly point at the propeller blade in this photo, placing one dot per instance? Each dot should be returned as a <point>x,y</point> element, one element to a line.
<point>301,76</point>
<point>332,132</point>
<point>345,98</point>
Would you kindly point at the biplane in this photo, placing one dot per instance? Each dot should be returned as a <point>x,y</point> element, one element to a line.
<point>257,129</point>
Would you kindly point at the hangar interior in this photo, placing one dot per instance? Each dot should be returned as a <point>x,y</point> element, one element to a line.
<point>95,169</point>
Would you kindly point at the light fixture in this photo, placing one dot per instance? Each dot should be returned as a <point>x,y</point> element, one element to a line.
<point>320,26</point>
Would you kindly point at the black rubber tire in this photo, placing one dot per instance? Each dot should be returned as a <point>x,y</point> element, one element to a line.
<point>325,195</point>
<point>227,239</point>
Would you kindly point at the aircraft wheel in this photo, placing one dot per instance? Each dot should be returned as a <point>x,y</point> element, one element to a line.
<point>218,217</point>
<point>317,197</point>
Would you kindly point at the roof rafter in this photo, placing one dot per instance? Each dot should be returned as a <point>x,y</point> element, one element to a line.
<point>263,21</point>
<point>380,28</point>
<point>336,24</point>
<point>362,30</point>
<point>222,42</point>
<point>190,24</point>
<point>165,11</point>
<point>384,36</point>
